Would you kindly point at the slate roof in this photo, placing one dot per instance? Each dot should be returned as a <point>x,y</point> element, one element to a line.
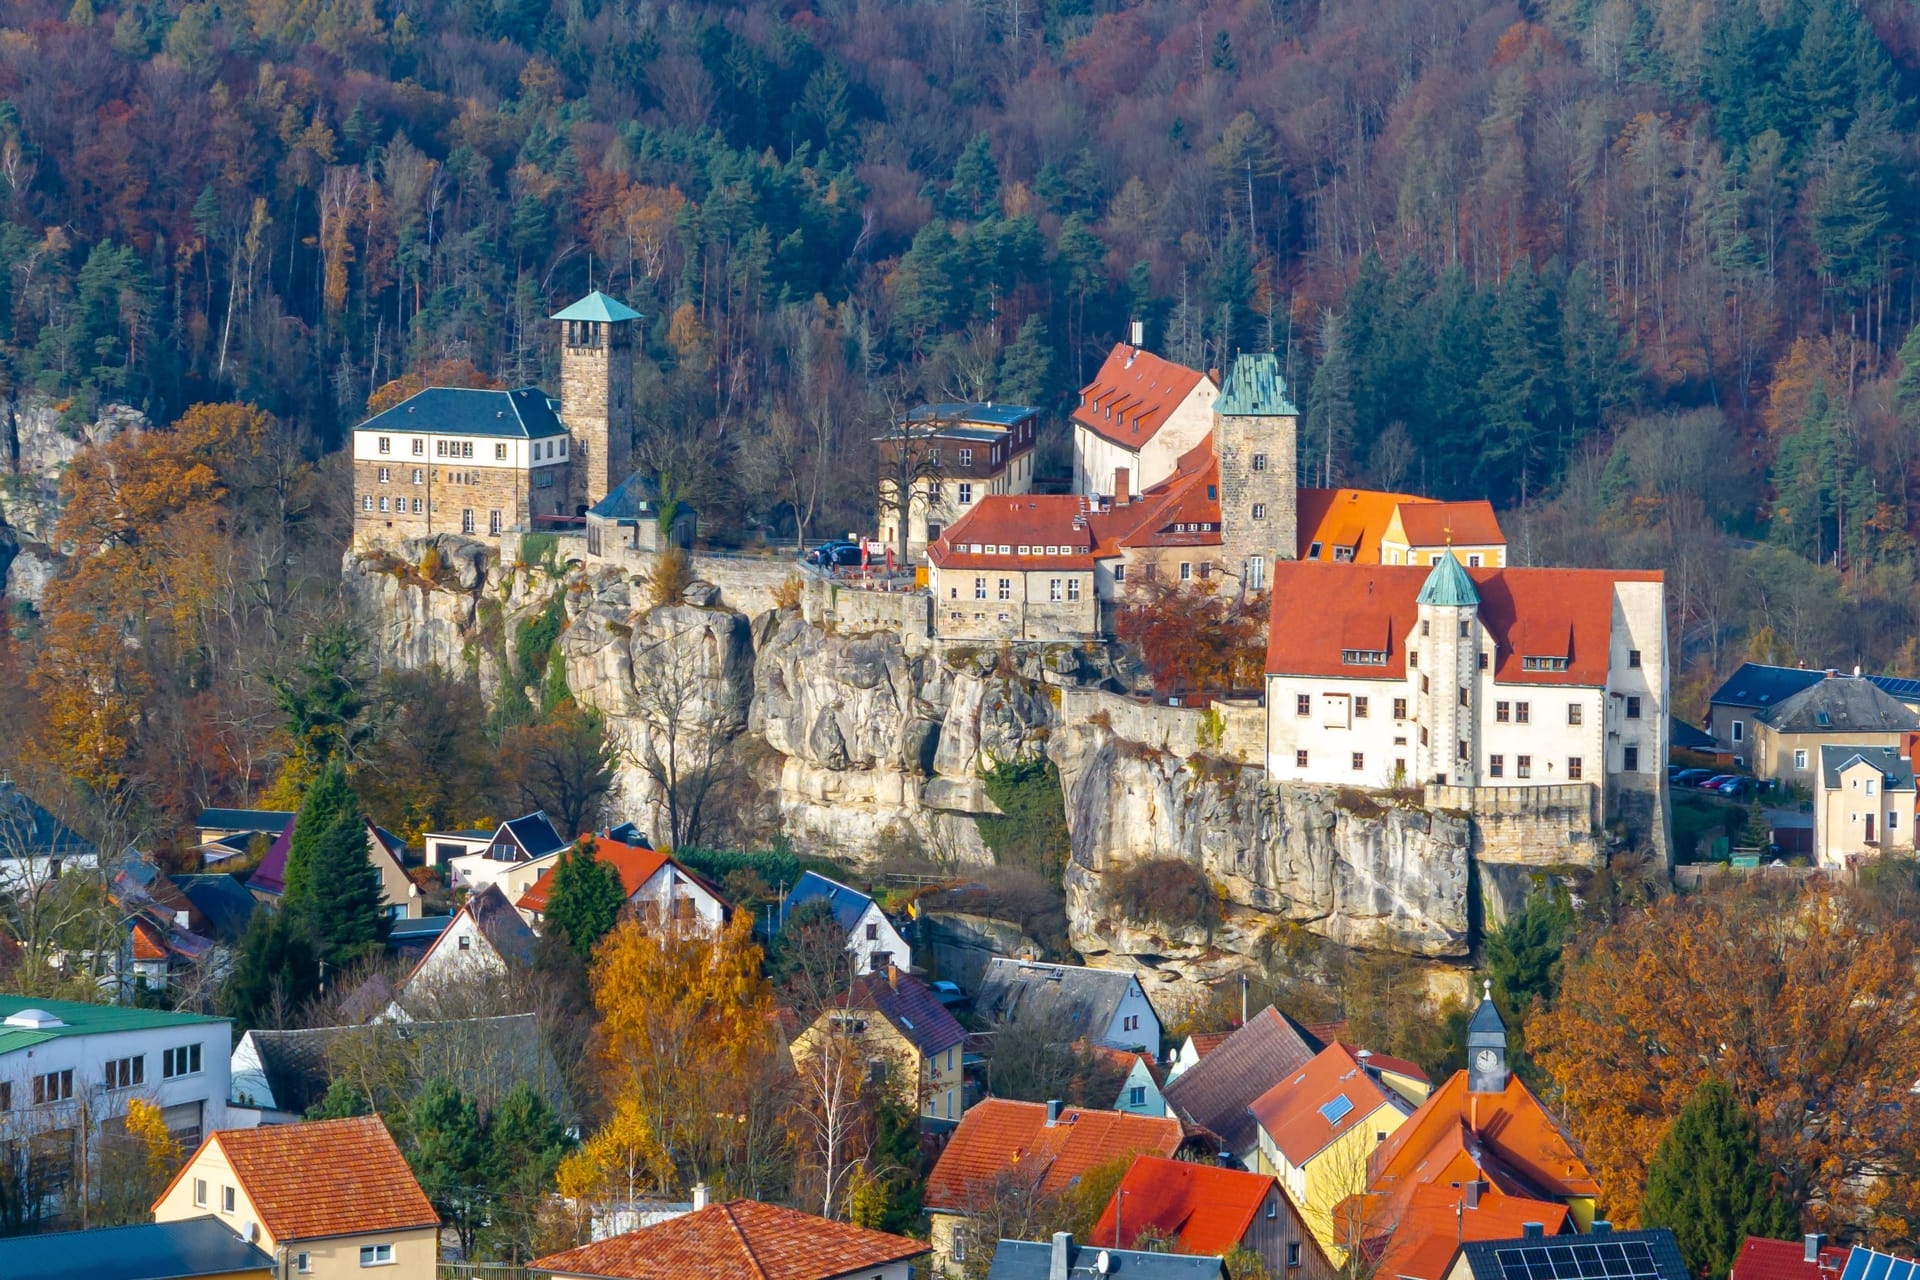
<point>271,875</point>
<point>1840,704</point>
<point>523,414</point>
<point>1084,999</point>
<point>1763,1259</point>
<point>598,308</point>
<point>27,829</point>
<point>1310,1108</point>
<point>1646,1255</point>
<point>908,1004</point>
<point>221,900</point>
<point>534,833</point>
<point>1132,395</point>
<point>1684,737</point>
<point>1030,1260</point>
<point>635,498</point>
<point>1215,1092</point>
<point>268,820</point>
<point>1896,771</point>
<point>741,1239</point>
<point>1206,1208</point>
<point>77,1018</point>
<point>322,1178</point>
<point>499,924</point>
<point>194,1247</point>
<point>952,412</point>
<point>847,904</point>
<point>1757,684</point>
<point>999,1136</point>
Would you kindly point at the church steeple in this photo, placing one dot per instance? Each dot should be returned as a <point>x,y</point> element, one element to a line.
<point>1486,1045</point>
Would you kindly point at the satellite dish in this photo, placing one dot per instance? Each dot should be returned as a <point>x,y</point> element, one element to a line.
<point>1102,1262</point>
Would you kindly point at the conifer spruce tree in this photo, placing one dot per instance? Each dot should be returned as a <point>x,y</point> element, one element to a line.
<point>583,899</point>
<point>326,799</point>
<point>333,891</point>
<point>1707,1184</point>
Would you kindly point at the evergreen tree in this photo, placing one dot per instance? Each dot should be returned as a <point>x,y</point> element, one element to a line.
<point>525,1144</point>
<point>446,1147</point>
<point>322,696</point>
<point>320,809</point>
<point>1524,388</point>
<point>1906,397</point>
<point>333,889</point>
<point>1230,286</point>
<point>274,974</point>
<point>1523,961</point>
<point>584,897</point>
<point>342,1101</point>
<point>1026,366</point>
<point>1328,446</point>
<point>1707,1183</point>
<point>975,187</point>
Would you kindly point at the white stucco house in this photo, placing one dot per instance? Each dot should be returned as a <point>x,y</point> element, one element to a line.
<point>872,938</point>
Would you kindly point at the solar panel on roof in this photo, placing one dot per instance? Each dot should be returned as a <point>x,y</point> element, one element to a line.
<point>1856,1264</point>
<point>1585,1260</point>
<point>1336,1109</point>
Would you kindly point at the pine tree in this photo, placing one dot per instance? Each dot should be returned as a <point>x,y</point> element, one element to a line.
<point>1707,1184</point>
<point>584,898</point>
<point>975,187</point>
<point>274,974</point>
<point>325,801</point>
<point>446,1146</point>
<point>1330,413</point>
<point>1026,366</point>
<point>333,889</point>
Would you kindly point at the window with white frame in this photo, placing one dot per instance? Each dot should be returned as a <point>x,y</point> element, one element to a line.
<point>1259,511</point>
<point>1006,589</point>
<point>1799,759</point>
<point>366,502</point>
<point>1073,589</point>
<point>1056,589</point>
<point>376,1255</point>
<point>979,588</point>
<point>227,1199</point>
<point>1186,571</point>
<point>500,451</point>
<point>966,457</point>
<point>965,493</point>
<point>183,1060</point>
<point>419,447</point>
<point>386,444</point>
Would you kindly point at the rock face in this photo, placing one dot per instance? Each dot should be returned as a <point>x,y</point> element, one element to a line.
<point>38,441</point>
<point>1335,864</point>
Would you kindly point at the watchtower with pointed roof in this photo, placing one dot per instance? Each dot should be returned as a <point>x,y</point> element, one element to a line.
<point>1446,646</point>
<point>596,393</point>
<point>1256,432</point>
<point>1486,1048</point>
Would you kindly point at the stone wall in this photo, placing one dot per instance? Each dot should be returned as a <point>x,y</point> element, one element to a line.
<point>1239,441</point>
<point>1228,730</point>
<point>1551,826</point>
<point>852,610</point>
<point>483,488</point>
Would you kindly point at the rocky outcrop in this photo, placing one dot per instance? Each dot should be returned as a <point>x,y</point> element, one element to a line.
<point>30,567</point>
<point>430,602</point>
<point>39,439</point>
<point>1336,864</point>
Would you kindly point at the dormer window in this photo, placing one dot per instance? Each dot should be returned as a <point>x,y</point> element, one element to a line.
<point>1364,657</point>
<point>1542,663</point>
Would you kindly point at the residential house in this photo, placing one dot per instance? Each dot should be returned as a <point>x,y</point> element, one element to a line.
<point>398,893</point>
<point>1017,568</point>
<point>1631,1255</point>
<point>1196,1046</point>
<point>1102,1006</point>
<point>1809,1258</point>
<point>1062,1259</point>
<point>1317,1129</point>
<point>1783,740</point>
<point>1481,1159</point>
<point>1141,1078</point>
<point>1366,526</point>
<point>444,846</point>
<point>411,938</point>
<point>1215,1092</point>
<point>625,525</point>
<point>743,1238</point>
<point>659,887</point>
<point>956,455</point>
<point>158,942</point>
<point>1401,1077</point>
<point>224,834</point>
<point>278,1075</point>
<point>904,1031</point>
<point>331,1197</point>
<point>1206,1209</point>
<point>1382,675</point>
<point>514,843</point>
<point>480,462</point>
<point>35,846</point>
<point>1863,805</point>
<point>1137,416</point>
<point>1041,1148</point>
<point>486,939</point>
<point>192,1249</point>
<point>1755,687</point>
<point>221,906</point>
<point>871,937</point>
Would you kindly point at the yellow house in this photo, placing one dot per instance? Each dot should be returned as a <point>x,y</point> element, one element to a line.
<point>327,1199</point>
<point>1422,532</point>
<point>894,1020</point>
<point>1318,1127</point>
<point>1863,805</point>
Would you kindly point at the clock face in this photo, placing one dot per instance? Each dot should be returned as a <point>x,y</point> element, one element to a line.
<point>1486,1060</point>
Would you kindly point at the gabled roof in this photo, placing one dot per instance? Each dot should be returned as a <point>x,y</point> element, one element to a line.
<point>195,1247</point>
<point>636,866</point>
<point>1255,387</point>
<point>635,498</point>
<point>271,875</point>
<point>524,414</point>
<point>741,1239</point>
<point>598,308</point>
<point>268,820</point>
<point>322,1178</point>
<point>1216,1091</point>
<point>1895,770</point>
<point>1084,999</point>
<point>28,830</point>
<point>1684,737</point>
<point>1321,609</point>
<point>1204,1207</point>
<point>222,901</point>
<point>1031,1260</point>
<point>1183,510</point>
<point>847,904</point>
<point>1756,684</point>
<point>534,833</point>
<point>1051,526</point>
<point>1132,396</point>
<point>1349,520</point>
<point>1439,524</point>
<point>1763,1259</point>
<point>1840,704</point>
<point>999,1137</point>
<point>1311,1108</point>
<point>1509,1133</point>
<point>1627,1255</point>
<point>908,1004</point>
<point>499,924</point>
<point>1428,1227</point>
<point>948,413</point>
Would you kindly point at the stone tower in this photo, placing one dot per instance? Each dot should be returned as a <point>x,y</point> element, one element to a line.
<point>1445,681</point>
<point>1256,433</point>
<point>596,394</point>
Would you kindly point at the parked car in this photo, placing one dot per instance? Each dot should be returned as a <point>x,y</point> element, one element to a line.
<point>839,553</point>
<point>947,993</point>
<point>1735,787</point>
<point>1719,780</point>
<point>1691,777</point>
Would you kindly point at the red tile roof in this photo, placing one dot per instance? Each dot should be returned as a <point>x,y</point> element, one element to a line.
<point>741,1238</point>
<point>1509,1134</point>
<point>1321,609</point>
<point>1352,519</point>
<point>1429,1226</point>
<point>635,865</point>
<point>1205,1042</point>
<point>1435,524</point>
<point>1206,1208</point>
<point>323,1178</point>
<point>1132,395</point>
<point>1052,526</point>
<point>1294,1113</point>
<point>1000,1136</point>
<point>1182,510</point>
<point>1785,1260</point>
<point>1123,1060</point>
<point>1381,1062</point>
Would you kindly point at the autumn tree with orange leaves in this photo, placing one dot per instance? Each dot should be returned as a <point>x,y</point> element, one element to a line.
<point>1800,998</point>
<point>1193,638</point>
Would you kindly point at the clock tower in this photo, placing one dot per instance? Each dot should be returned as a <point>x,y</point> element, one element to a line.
<point>1486,1047</point>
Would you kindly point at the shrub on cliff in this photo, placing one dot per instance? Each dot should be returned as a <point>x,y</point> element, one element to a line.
<point>1031,832</point>
<point>1166,891</point>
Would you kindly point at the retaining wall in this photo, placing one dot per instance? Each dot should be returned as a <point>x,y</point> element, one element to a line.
<point>1229,730</point>
<point>1531,826</point>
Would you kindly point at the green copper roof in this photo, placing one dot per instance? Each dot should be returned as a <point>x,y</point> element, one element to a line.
<point>599,307</point>
<point>74,1018</point>
<point>1255,388</point>
<point>1449,586</point>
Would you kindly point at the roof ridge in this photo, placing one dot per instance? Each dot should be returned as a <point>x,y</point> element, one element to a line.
<point>752,1258</point>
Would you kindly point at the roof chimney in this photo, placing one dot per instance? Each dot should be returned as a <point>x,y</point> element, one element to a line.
<point>1531,1231</point>
<point>1122,486</point>
<point>893,975</point>
<point>1139,333</point>
<point>699,1196</point>
<point>1057,1259</point>
<point>1600,1227</point>
<point>1053,1111</point>
<point>1815,1243</point>
<point>1473,1194</point>
<point>1224,1158</point>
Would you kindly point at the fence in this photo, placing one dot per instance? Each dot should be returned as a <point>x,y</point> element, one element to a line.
<point>483,1271</point>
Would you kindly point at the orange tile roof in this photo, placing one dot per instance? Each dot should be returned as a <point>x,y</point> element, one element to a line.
<point>1431,1225</point>
<point>1321,609</point>
<point>1052,526</point>
<point>1132,396</point>
<point>1350,518</point>
<point>1205,1042</point>
<point>741,1238</point>
<point>1436,524</point>
<point>635,865</point>
<point>1206,1208</point>
<point>1000,1136</point>
<point>1123,1060</point>
<point>1292,1114</point>
<point>323,1178</point>
<point>1189,497</point>
<point>1509,1135</point>
<point>147,941</point>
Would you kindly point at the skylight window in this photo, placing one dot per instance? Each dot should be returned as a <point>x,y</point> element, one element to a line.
<point>1336,1110</point>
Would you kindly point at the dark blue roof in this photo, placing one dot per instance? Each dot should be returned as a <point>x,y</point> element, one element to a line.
<point>535,834</point>
<point>27,830</point>
<point>635,498</point>
<point>526,414</point>
<point>147,1251</point>
<point>1606,1255</point>
<point>222,899</point>
<point>1754,684</point>
<point>847,905</point>
<point>1687,738</point>
<point>959,411</point>
<point>269,820</point>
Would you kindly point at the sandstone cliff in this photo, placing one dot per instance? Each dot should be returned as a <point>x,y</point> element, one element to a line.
<point>38,439</point>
